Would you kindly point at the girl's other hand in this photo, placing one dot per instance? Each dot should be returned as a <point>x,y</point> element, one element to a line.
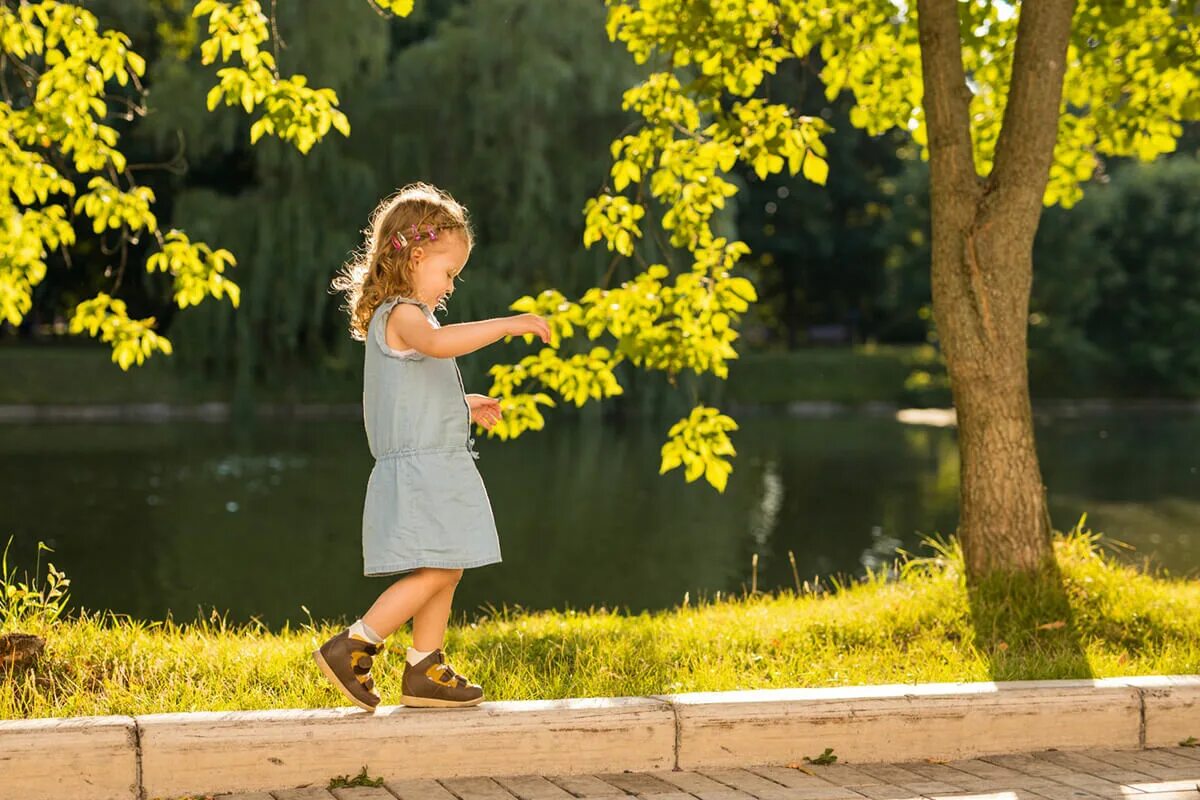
<point>523,324</point>
<point>485,410</point>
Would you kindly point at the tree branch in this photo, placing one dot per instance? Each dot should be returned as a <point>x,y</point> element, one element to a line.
<point>947,98</point>
<point>1025,147</point>
<point>954,184</point>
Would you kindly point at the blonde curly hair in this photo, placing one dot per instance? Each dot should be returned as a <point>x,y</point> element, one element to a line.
<point>382,267</point>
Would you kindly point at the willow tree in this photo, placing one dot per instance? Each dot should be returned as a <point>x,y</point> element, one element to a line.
<point>65,86</point>
<point>980,86</point>
<point>553,83</point>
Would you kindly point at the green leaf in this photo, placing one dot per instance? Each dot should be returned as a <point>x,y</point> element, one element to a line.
<point>816,169</point>
<point>401,8</point>
<point>257,129</point>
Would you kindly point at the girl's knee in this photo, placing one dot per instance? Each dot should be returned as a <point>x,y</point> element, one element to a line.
<point>443,574</point>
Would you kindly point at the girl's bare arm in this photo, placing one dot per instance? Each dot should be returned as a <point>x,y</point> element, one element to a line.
<point>411,325</point>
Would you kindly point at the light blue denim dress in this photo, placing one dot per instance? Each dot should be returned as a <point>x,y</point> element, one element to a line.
<point>426,505</point>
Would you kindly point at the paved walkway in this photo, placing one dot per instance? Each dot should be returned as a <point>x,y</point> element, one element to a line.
<point>1161,774</point>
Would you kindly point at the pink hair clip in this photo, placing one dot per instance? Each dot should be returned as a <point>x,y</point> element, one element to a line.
<point>400,241</point>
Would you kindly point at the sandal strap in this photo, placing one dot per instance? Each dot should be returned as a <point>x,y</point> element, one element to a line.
<point>452,676</point>
<point>449,676</point>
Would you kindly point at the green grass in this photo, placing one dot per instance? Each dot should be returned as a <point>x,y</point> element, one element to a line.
<point>84,374</point>
<point>840,375</point>
<point>81,373</point>
<point>1092,617</point>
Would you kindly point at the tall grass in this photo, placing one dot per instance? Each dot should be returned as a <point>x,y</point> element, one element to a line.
<point>918,621</point>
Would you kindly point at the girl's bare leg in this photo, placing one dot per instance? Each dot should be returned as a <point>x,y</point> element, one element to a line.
<point>406,597</point>
<point>429,623</point>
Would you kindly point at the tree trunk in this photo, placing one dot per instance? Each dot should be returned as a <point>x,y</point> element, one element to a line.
<point>982,271</point>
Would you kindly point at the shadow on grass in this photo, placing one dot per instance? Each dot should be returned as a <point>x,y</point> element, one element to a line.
<point>1025,627</point>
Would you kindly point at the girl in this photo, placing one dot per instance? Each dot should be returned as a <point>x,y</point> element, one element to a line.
<point>426,512</point>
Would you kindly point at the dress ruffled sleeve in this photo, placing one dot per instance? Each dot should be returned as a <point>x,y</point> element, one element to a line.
<point>384,309</point>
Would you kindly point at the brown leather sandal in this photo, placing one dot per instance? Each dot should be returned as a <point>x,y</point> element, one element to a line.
<point>346,662</point>
<point>432,683</point>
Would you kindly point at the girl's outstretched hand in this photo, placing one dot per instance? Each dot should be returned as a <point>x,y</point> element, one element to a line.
<point>484,410</point>
<point>522,324</point>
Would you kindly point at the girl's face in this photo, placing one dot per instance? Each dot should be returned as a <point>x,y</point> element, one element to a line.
<point>435,266</point>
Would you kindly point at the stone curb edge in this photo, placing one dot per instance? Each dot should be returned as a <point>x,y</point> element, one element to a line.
<point>171,755</point>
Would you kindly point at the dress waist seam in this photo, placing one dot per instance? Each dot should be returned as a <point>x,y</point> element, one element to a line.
<point>417,451</point>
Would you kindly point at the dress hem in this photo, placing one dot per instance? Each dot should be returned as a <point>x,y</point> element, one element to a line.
<point>393,569</point>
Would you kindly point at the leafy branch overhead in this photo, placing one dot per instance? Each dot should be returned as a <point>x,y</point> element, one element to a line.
<point>687,143</point>
<point>59,69</point>
<point>703,110</point>
<point>292,110</point>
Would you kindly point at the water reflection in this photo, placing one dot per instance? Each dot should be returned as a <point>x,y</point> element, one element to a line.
<point>151,518</point>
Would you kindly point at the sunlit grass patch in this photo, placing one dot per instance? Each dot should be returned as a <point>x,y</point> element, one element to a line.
<point>916,622</point>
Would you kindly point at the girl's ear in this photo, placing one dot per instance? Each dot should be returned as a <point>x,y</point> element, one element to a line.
<point>416,255</point>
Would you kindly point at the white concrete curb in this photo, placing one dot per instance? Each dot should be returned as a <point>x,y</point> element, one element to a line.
<point>168,755</point>
<point>81,757</point>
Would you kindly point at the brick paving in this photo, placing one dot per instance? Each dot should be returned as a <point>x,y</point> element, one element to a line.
<point>1171,773</point>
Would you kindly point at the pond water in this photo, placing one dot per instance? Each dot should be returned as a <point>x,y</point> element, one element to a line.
<point>185,517</point>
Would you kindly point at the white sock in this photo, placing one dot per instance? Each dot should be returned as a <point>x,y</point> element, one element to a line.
<point>415,655</point>
<point>363,632</point>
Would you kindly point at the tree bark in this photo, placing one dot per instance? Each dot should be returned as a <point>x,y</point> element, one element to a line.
<point>982,271</point>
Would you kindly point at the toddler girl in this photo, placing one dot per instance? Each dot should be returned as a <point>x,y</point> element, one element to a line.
<point>426,513</point>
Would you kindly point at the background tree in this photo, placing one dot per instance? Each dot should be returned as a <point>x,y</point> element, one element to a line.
<point>820,251</point>
<point>515,124</point>
<point>1112,299</point>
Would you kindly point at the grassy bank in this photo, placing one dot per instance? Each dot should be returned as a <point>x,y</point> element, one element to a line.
<point>839,375</point>
<point>83,374</point>
<point>1091,617</point>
